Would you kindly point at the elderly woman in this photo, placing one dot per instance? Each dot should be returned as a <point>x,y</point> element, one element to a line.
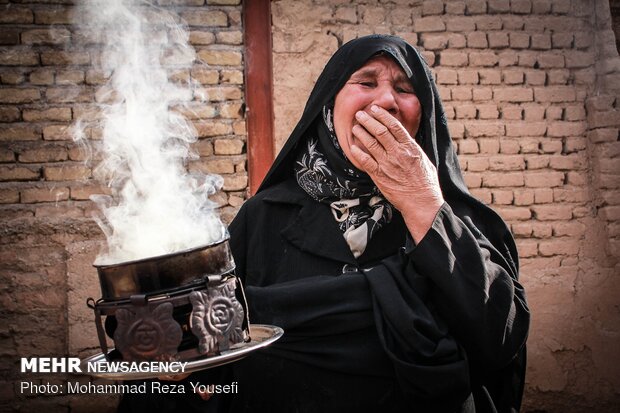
<point>396,288</point>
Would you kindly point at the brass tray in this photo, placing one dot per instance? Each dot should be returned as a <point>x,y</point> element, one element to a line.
<point>262,336</point>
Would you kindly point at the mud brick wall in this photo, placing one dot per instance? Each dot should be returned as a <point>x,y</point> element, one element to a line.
<point>531,94</point>
<point>48,239</point>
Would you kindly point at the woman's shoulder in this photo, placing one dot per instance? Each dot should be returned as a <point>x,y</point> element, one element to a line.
<point>271,204</point>
<point>285,192</point>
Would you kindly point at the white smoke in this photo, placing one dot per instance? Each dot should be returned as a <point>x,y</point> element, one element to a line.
<point>156,207</point>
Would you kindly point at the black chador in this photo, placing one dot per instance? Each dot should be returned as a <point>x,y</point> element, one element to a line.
<point>435,327</point>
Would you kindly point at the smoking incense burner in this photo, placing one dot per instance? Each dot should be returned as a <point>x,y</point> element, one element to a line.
<point>173,307</point>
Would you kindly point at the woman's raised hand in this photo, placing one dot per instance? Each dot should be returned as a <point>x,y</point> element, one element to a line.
<point>399,167</point>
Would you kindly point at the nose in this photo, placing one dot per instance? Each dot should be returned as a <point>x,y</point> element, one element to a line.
<point>386,98</point>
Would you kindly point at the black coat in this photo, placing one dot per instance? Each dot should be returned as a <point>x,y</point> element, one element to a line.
<point>342,349</point>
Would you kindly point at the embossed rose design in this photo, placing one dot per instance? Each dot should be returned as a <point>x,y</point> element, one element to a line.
<point>147,333</point>
<point>222,315</point>
<point>216,318</point>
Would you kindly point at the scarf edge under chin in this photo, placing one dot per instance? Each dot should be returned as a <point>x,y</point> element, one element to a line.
<point>327,176</point>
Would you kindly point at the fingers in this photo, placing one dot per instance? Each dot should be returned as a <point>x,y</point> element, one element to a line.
<point>377,130</point>
<point>384,127</point>
<point>373,146</point>
<point>400,134</point>
<point>368,164</point>
<point>392,124</point>
<point>204,394</point>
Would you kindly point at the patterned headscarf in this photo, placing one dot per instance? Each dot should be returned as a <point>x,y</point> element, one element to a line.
<point>324,172</point>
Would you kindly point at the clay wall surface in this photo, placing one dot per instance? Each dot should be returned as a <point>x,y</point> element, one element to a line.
<point>48,237</point>
<point>530,90</point>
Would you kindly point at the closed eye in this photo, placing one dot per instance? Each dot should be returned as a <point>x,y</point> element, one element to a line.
<point>367,84</point>
<point>404,90</point>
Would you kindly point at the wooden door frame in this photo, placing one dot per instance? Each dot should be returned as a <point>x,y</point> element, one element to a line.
<point>258,70</point>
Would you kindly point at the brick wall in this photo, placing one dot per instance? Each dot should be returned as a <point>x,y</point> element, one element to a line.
<point>49,240</point>
<point>530,89</point>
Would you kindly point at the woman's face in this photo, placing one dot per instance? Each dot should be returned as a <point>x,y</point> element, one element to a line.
<point>382,82</point>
